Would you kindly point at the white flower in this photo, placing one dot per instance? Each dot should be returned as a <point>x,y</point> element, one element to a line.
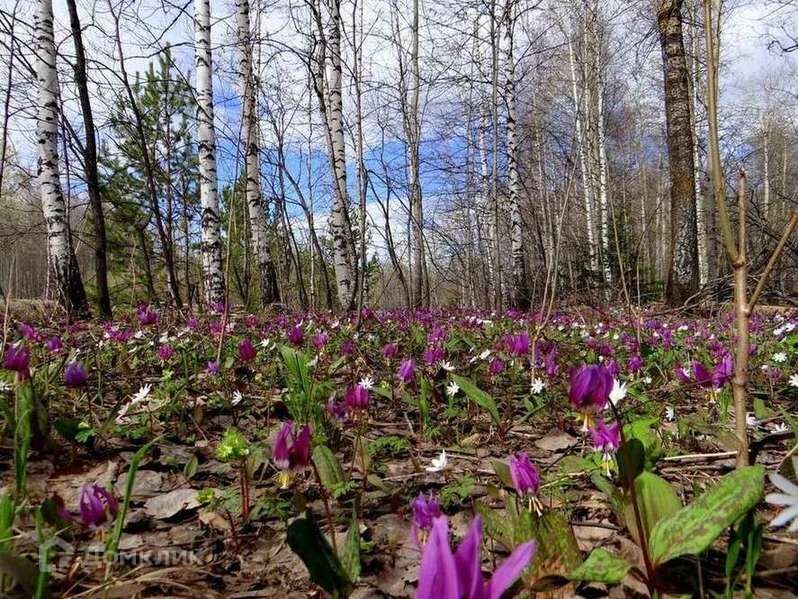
<point>447,366</point>
<point>452,388</point>
<point>670,414</point>
<point>5,386</point>
<point>139,397</point>
<point>484,355</point>
<point>648,380</point>
<point>780,428</point>
<point>438,464</point>
<point>142,394</point>
<point>537,386</point>
<point>237,398</point>
<point>367,383</point>
<point>138,335</point>
<point>779,357</point>
<point>751,420</point>
<point>618,391</point>
<point>794,380</point>
<point>789,498</point>
<point>266,343</point>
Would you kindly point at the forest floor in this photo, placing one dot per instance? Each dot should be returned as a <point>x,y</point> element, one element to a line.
<point>483,387</point>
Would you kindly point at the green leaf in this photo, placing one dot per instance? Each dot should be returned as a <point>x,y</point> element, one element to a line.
<point>324,567</point>
<point>190,469</point>
<point>502,470</point>
<point>350,552</point>
<point>656,499</point>
<point>478,396</point>
<point>119,524</point>
<point>631,458</point>
<point>601,566</point>
<point>606,486</point>
<point>693,528</point>
<point>330,471</point>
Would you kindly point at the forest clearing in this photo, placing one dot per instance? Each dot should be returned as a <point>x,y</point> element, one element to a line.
<point>411,298</point>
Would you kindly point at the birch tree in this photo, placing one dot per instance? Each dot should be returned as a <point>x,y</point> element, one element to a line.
<point>213,278</point>
<point>520,295</point>
<point>63,264</point>
<point>327,86</point>
<point>683,274</point>
<point>267,275</point>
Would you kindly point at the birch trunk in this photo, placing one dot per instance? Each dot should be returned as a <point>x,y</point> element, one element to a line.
<point>766,173</point>
<point>583,169</point>
<point>269,293</point>
<point>703,252</point>
<point>520,294</point>
<point>601,142</point>
<point>62,260</point>
<point>213,278</point>
<point>683,277</point>
<point>414,140</point>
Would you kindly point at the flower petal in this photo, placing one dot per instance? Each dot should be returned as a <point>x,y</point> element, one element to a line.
<point>468,562</point>
<point>437,576</point>
<point>509,571</point>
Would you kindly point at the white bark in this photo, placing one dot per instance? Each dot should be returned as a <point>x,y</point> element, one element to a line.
<point>249,131</point>
<point>703,252</point>
<point>766,173</point>
<point>602,160</point>
<point>519,294</point>
<point>587,195</point>
<point>213,278</point>
<point>61,256</point>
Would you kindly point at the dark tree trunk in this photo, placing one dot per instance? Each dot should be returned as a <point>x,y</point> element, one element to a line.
<point>683,275</point>
<point>90,166</point>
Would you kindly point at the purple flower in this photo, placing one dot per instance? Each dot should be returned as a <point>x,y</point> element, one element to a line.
<point>96,505</point>
<point>75,375</point>
<point>389,350</point>
<point>407,371</point>
<point>192,322</point>
<point>292,451</point>
<point>424,513</point>
<point>348,347</point>
<point>606,438</point>
<point>165,353</point>
<point>28,332</point>
<point>246,351</point>
<point>447,575</point>
<point>219,307</point>
<point>336,410</point>
<point>17,358</point>
<point>590,387</point>
<point>723,372</point>
<point>434,354</point>
<point>525,475</point>
<point>437,335</point>
<point>319,340</point>
<point>518,345</point>
<point>702,375</point>
<point>635,364</point>
<point>550,363</point>
<point>296,335</point>
<point>146,316</point>
<point>54,345</point>
<point>495,366</point>
<point>683,375</point>
<point>251,321</point>
<point>357,398</point>
<point>213,367</point>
